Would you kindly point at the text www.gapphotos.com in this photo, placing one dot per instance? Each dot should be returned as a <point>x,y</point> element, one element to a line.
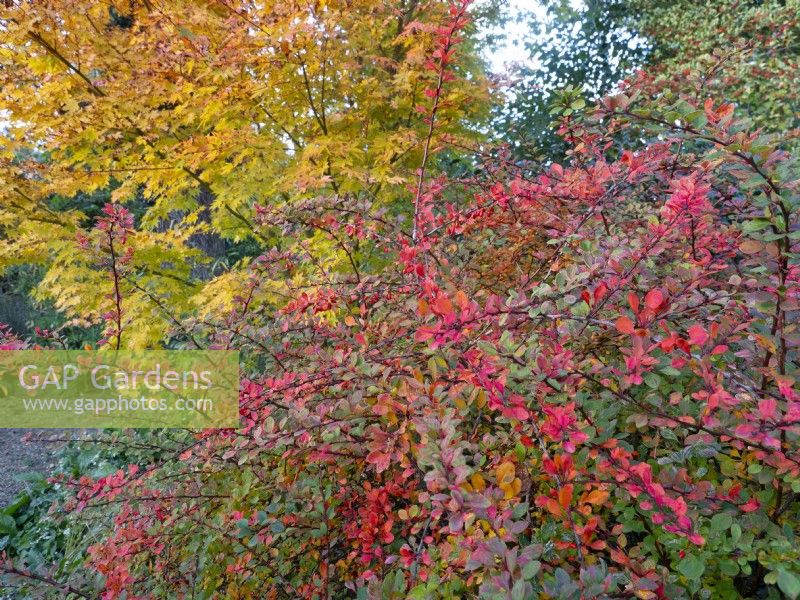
<point>108,406</point>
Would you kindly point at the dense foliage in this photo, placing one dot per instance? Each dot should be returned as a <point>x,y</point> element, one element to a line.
<point>745,51</point>
<point>195,112</point>
<point>587,47</point>
<point>577,381</point>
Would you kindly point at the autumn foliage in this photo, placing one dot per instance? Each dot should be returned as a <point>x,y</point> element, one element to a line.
<point>569,381</point>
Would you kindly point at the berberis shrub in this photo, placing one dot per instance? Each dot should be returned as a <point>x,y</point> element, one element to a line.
<point>573,381</point>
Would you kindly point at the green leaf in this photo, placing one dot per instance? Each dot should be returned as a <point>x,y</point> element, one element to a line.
<point>581,309</point>
<point>419,593</point>
<point>736,532</point>
<point>652,380</point>
<point>721,522</point>
<point>519,510</point>
<point>531,569</point>
<point>277,527</point>
<point>393,585</point>
<point>692,567</point>
<point>518,591</point>
<point>755,225</point>
<point>729,568</point>
<point>7,524</point>
<point>789,584</point>
<point>668,434</point>
<point>433,367</point>
<point>244,528</point>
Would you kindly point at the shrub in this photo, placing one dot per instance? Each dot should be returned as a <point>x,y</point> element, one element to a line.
<point>570,382</point>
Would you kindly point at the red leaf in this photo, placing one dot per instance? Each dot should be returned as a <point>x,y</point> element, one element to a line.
<point>625,325</point>
<point>633,300</point>
<point>600,291</point>
<point>442,305</point>
<point>697,335</point>
<point>750,506</point>
<point>653,299</point>
<point>379,459</point>
<point>697,539</point>
<point>515,412</point>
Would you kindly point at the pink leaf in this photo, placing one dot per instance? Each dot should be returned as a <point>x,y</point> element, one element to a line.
<point>379,459</point>
<point>750,506</point>
<point>767,408</point>
<point>697,335</point>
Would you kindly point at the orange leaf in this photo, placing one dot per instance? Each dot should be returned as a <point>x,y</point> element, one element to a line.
<point>461,300</point>
<point>506,473</point>
<point>442,304</point>
<point>751,246</point>
<point>596,497</point>
<point>625,325</point>
<point>553,507</point>
<point>565,496</point>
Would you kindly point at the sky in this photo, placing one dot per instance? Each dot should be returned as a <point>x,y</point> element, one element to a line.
<point>513,48</point>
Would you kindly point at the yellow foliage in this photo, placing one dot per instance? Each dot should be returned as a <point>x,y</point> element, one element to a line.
<point>198,112</point>
<point>507,480</point>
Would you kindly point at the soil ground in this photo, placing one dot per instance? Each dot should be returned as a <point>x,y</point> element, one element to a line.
<point>18,457</point>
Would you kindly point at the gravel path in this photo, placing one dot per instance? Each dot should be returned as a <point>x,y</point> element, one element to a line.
<point>17,457</point>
